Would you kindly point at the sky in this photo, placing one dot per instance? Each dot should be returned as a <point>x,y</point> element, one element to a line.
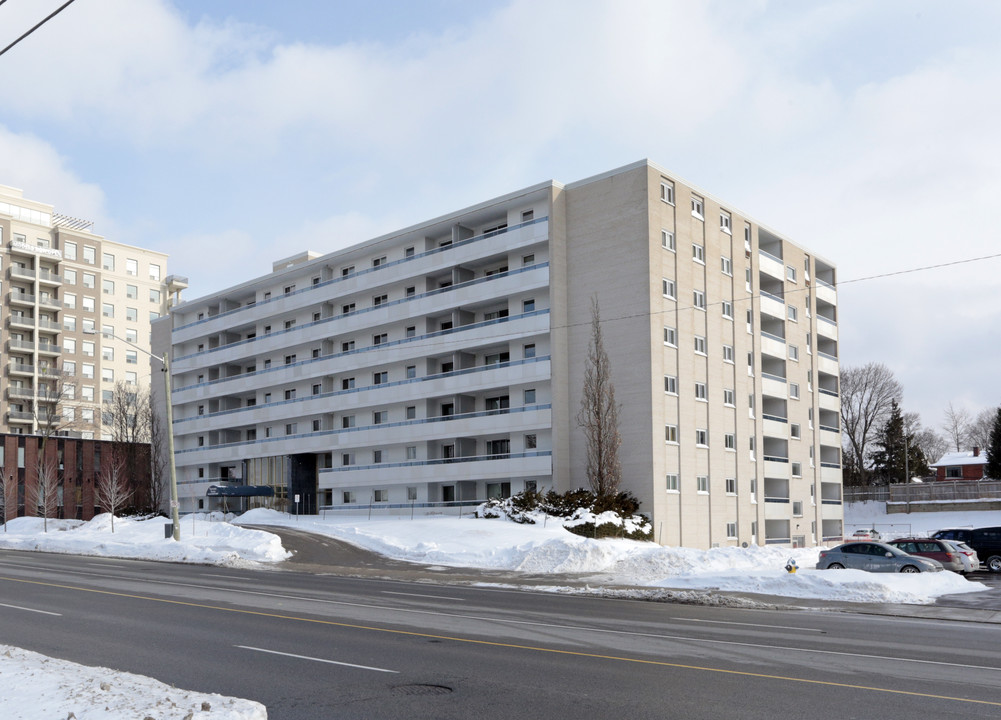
<point>232,133</point>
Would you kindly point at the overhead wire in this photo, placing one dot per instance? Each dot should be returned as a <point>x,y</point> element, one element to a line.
<point>39,24</point>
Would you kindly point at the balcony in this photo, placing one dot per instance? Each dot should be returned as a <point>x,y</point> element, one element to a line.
<point>825,291</point>
<point>827,363</point>
<point>827,328</point>
<point>50,302</point>
<point>18,416</point>
<point>773,345</point>
<point>25,393</point>
<point>773,385</point>
<point>22,298</point>
<point>17,368</point>
<point>20,346</point>
<point>44,324</point>
<point>771,265</point>
<point>49,278</point>
<point>772,305</point>
<point>21,321</point>
<point>49,349</point>
<point>20,272</point>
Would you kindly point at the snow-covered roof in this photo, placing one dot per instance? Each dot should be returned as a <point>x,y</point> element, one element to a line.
<point>961,458</point>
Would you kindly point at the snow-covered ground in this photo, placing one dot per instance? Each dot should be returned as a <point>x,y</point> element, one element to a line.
<point>102,694</point>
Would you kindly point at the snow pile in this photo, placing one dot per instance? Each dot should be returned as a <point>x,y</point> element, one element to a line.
<point>36,686</point>
<point>548,548</point>
<point>202,541</point>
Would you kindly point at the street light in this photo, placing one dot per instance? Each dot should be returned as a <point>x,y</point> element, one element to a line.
<point>165,361</point>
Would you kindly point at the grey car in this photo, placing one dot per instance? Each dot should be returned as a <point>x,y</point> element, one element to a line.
<point>874,557</point>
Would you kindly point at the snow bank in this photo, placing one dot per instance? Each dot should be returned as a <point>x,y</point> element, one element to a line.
<point>34,686</point>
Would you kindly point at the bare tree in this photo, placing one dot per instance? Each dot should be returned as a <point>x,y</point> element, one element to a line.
<point>129,415</point>
<point>981,426</point>
<point>599,415</point>
<point>957,426</point>
<point>867,395</point>
<point>931,443</point>
<point>8,495</point>
<point>113,489</point>
<point>158,496</point>
<point>47,487</point>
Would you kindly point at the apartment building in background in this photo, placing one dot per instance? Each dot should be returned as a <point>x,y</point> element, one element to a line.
<point>443,364</point>
<point>62,286</point>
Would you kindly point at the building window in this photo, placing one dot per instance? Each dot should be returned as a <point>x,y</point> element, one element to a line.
<point>380,300</point>
<point>69,250</point>
<point>411,371</point>
<point>724,221</point>
<point>698,206</point>
<point>131,314</point>
<point>347,459</point>
<point>793,352</point>
<point>376,459</point>
<point>731,486</point>
<point>727,309</point>
<point>531,442</point>
<point>698,253</point>
<point>380,339</point>
<point>528,306</point>
<point>154,296</point>
<point>376,262</point>
<point>730,441</point>
<point>670,336</point>
<point>790,273</point>
<point>380,378</point>
<point>528,259</point>
<point>88,371</point>
<point>411,331</point>
<point>700,391</point>
<point>794,391</point>
<point>380,417</point>
<point>107,310</point>
<point>797,508</point>
<point>291,428</point>
<point>411,412</point>
<point>348,308</point>
<point>672,482</point>
<point>528,351</point>
<point>954,472</point>
<point>108,261</point>
<point>728,398</point>
<point>702,483</point>
<point>410,291</point>
<point>154,272</point>
<point>290,359</point>
<point>667,288</point>
<point>726,266</point>
<point>667,191</point>
<point>69,300</point>
<point>702,437</point>
<point>700,345</point>
<point>108,287</point>
<point>348,346</point>
<point>290,394</point>
<point>317,389</point>
<point>699,299</point>
<point>131,267</point>
<point>347,421</point>
<point>797,471</point>
<point>671,433</point>
<point>728,354</point>
<point>530,396</point>
<point>667,240</point>
<point>671,384</point>
<point>349,270</point>
<point>411,452</point>
<point>731,530</point>
<point>794,431</point>
<point>408,252</point>
<point>792,313</point>
<point>89,254</point>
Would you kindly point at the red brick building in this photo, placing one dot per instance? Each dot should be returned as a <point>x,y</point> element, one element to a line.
<point>969,465</point>
<point>74,463</point>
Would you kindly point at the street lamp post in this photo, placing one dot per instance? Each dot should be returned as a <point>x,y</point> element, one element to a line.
<point>165,361</point>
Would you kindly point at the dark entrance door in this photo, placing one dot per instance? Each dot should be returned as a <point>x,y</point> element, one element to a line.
<point>302,482</point>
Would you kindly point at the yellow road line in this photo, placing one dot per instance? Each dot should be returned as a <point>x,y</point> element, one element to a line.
<point>491,643</point>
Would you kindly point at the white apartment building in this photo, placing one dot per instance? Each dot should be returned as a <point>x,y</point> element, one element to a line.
<point>443,364</point>
<point>64,292</point>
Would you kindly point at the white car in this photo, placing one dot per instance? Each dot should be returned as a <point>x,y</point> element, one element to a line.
<point>865,535</point>
<point>967,555</point>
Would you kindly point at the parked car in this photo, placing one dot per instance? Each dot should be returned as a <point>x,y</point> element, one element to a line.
<point>941,550</point>
<point>986,541</point>
<point>865,535</point>
<point>971,563</point>
<point>874,557</point>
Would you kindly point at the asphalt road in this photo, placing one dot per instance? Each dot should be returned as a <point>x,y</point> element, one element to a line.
<point>314,645</point>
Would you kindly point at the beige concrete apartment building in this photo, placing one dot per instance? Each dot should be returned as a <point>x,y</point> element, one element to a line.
<point>442,364</point>
<point>66,295</point>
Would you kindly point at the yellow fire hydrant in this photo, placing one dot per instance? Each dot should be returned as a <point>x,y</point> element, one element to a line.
<point>791,567</point>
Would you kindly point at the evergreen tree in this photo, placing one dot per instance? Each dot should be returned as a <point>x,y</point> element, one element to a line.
<point>993,469</point>
<point>892,441</point>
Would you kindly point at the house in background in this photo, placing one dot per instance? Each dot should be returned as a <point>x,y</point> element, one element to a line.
<point>968,465</point>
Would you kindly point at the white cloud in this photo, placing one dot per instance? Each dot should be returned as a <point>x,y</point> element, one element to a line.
<point>32,165</point>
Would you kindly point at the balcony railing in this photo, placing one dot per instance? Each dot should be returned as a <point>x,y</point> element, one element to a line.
<point>830,428</point>
<point>776,338</point>
<point>828,356</point>
<point>826,319</point>
<point>777,298</point>
<point>776,458</point>
<point>769,255</point>
<point>836,466</point>
<point>776,418</point>
<point>776,499</point>
<point>777,378</point>
<point>825,391</point>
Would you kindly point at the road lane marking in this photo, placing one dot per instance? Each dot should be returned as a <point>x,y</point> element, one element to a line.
<point>18,607</point>
<point>537,623</point>
<point>533,648</point>
<point>316,659</point>
<point>434,597</point>
<point>227,577</point>
<point>754,625</point>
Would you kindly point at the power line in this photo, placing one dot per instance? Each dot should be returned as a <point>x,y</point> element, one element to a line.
<point>922,268</point>
<point>49,17</point>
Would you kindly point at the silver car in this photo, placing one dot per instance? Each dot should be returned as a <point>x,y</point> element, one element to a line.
<point>874,557</point>
<point>967,555</point>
